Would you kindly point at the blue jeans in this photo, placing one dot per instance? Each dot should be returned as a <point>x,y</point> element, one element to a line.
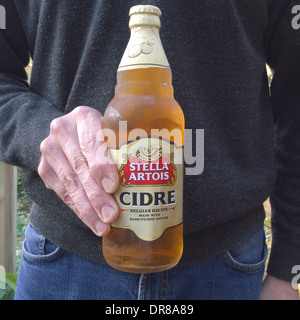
<point>50,273</point>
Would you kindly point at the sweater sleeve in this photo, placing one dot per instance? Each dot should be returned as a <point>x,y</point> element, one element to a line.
<point>24,116</point>
<point>284,57</point>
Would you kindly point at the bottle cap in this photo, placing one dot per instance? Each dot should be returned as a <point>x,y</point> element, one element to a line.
<point>144,16</point>
<point>145,9</point>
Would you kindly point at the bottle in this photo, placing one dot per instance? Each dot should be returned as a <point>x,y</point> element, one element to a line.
<point>144,129</point>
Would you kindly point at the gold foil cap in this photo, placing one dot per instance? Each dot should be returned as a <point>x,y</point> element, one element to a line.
<point>145,9</point>
<point>144,16</point>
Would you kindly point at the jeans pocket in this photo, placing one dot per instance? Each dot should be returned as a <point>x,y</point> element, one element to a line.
<point>249,256</point>
<point>37,248</point>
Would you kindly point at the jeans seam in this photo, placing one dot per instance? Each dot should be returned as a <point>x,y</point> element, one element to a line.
<point>164,286</point>
<point>52,257</point>
<point>142,287</point>
<point>231,262</point>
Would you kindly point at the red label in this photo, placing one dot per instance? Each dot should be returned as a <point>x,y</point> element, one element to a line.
<point>138,172</point>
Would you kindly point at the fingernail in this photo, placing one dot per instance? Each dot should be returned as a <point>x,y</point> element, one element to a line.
<point>100,228</point>
<point>107,184</point>
<point>107,213</point>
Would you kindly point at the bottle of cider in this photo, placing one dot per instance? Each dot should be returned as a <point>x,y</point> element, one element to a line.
<point>144,129</point>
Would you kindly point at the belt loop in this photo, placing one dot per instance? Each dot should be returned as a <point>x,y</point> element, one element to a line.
<point>42,243</point>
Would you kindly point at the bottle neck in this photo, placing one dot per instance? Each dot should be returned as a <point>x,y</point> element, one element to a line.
<point>150,81</point>
<point>144,49</point>
<point>144,68</point>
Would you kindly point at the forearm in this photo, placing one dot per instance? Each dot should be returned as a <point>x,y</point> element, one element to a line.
<point>24,116</point>
<point>24,122</point>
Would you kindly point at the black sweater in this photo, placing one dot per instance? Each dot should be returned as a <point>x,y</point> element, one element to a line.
<point>217,51</point>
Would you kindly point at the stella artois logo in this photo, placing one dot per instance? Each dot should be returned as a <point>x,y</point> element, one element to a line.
<point>151,186</point>
<point>148,166</point>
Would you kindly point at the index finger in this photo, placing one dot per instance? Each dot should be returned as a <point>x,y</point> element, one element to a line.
<point>94,149</point>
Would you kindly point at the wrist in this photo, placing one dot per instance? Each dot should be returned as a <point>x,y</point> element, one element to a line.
<point>277,289</point>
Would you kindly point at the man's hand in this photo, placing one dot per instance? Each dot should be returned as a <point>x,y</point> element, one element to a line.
<point>77,171</point>
<point>276,289</point>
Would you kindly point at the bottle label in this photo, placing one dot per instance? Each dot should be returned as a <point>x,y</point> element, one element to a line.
<point>144,50</point>
<point>151,186</point>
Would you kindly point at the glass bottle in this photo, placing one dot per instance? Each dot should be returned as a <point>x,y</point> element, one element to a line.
<point>144,128</point>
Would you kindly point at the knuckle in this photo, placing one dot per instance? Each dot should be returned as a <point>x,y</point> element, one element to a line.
<point>67,199</point>
<point>84,212</point>
<point>70,182</point>
<point>87,142</point>
<point>74,208</point>
<point>55,125</point>
<point>59,125</point>
<point>43,172</point>
<point>46,145</point>
<point>79,205</point>
<point>84,111</point>
<point>98,198</point>
<point>80,111</point>
<point>97,171</point>
<point>41,169</point>
<point>80,165</point>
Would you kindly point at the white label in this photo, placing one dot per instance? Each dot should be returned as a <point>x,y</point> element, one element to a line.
<point>150,195</point>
